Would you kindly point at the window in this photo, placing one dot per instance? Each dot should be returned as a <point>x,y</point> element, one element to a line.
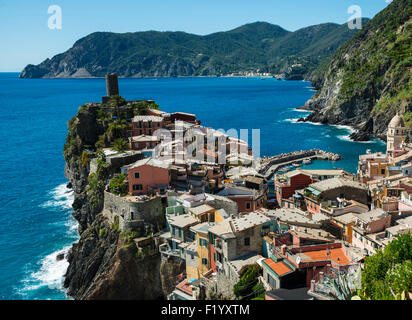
<point>173,230</point>
<point>247,241</point>
<point>137,187</point>
<point>203,242</point>
<point>137,175</point>
<point>248,205</point>
<point>204,261</point>
<point>382,171</point>
<point>150,132</point>
<point>192,256</point>
<point>179,232</point>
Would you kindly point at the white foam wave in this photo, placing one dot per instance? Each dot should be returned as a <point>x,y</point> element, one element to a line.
<point>292,120</point>
<point>302,110</point>
<point>62,197</point>
<point>340,126</point>
<point>50,274</point>
<point>347,138</point>
<point>314,123</point>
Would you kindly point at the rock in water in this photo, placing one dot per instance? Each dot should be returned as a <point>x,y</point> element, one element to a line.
<point>60,257</point>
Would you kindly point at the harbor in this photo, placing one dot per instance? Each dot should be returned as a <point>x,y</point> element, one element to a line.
<point>289,161</point>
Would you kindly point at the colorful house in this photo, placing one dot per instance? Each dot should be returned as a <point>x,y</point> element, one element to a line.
<point>148,176</point>
<point>367,230</point>
<point>248,200</point>
<point>146,125</point>
<point>324,192</point>
<point>143,142</point>
<point>202,241</point>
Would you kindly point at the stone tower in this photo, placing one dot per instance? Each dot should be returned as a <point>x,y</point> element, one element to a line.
<point>396,137</point>
<point>112,85</point>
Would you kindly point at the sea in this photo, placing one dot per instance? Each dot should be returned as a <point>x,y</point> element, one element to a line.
<point>36,223</point>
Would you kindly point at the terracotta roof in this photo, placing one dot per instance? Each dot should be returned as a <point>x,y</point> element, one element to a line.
<point>278,267</point>
<point>185,286</point>
<point>336,255</point>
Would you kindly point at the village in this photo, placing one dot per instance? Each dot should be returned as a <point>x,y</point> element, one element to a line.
<point>225,210</point>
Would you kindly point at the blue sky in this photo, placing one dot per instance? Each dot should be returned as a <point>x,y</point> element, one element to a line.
<point>26,37</point>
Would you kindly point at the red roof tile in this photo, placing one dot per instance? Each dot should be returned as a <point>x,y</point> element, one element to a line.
<point>278,267</point>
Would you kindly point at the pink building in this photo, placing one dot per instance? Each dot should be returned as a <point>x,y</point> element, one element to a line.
<point>146,125</point>
<point>148,176</point>
<point>368,229</point>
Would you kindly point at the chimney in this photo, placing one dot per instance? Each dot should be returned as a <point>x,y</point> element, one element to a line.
<point>283,249</point>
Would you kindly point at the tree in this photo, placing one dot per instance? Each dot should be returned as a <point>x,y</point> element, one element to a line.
<point>101,143</point>
<point>118,185</point>
<point>249,286</point>
<point>387,274</point>
<point>116,129</point>
<point>120,145</point>
<point>115,102</point>
<point>140,108</point>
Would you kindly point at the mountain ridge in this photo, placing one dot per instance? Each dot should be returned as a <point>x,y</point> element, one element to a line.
<point>369,78</point>
<point>254,46</point>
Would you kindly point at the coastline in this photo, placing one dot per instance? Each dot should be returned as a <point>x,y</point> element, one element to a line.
<point>300,110</point>
<point>351,128</point>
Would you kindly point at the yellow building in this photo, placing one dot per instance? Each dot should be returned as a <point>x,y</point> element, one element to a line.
<point>191,261</point>
<point>220,215</point>
<point>346,222</point>
<point>202,243</point>
<point>203,213</point>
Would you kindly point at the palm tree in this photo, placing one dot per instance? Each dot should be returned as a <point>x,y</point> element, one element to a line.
<point>120,145</point>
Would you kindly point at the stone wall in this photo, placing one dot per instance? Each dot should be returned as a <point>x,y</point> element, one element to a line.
<point>256,241</point>
<point>134,214</point>
<point>118,161</point>
<point>222,288</point>
<point>220,202</point>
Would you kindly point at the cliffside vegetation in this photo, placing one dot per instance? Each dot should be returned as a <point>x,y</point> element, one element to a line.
<point>105,263</point>
<point>369,78</point>
<point>254,46</point>
<point>249,287</point>
<point>388,274</point>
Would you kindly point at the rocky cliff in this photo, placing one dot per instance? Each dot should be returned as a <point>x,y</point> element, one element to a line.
<point>369,78</point>
<point>105,263</point>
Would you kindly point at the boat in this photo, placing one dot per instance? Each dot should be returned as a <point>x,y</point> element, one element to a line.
<point>296,164</point>
<point>307,161</point>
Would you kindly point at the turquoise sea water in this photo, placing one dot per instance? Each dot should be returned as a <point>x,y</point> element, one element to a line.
<point>35,214</point>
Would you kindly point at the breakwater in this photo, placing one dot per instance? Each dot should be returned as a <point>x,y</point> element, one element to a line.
<point>270,165</point>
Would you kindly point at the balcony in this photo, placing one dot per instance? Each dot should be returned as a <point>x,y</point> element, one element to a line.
<point>166,251</point>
